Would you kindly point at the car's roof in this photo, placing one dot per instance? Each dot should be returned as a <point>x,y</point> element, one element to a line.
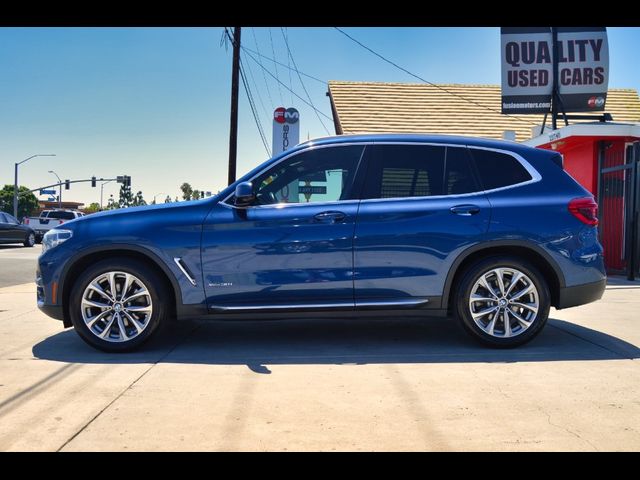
<point>416,137</point>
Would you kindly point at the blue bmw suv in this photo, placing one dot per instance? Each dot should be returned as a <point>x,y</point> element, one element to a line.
<point>490,232</point>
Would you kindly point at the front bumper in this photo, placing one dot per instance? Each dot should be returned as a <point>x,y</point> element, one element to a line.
<point>52,310</point>
<point>581,294</point>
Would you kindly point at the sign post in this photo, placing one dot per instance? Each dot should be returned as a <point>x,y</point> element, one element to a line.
<point>286,134</point>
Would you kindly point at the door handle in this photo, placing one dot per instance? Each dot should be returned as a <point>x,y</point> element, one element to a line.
<point>465,210</point>
<point>330,217</point>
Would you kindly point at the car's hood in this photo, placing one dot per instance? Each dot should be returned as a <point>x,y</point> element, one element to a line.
<point>118,213</point>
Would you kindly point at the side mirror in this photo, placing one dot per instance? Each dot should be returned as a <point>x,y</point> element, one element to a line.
<point>244,194</point>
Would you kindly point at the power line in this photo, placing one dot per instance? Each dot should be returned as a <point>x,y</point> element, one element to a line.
<point>285,34</point>
<point>273,51</point>
<point>255,84</point>
<point>302,83</point>
<point>427,81</point>
<point>253,109</point>
<point>253,31</point>
<point>283,65</point>
<point>294,93</point>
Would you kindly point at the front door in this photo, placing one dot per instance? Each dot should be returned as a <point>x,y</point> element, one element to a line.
<point>421,206</point>
<point>294,246</point>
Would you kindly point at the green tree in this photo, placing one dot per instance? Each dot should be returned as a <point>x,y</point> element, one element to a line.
<point>187,191</point>
<point>27,202</point>
<point>138,200</point>
<point>93,208</point>
<point>126,197</point>
<point>112,204</point>
<point>196,195</point>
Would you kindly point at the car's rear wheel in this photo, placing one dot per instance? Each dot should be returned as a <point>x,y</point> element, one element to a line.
<point>30,240</point>
<point>117,304</point>
<point>503,301</point>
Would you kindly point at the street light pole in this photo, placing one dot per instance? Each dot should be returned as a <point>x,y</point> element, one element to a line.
<point>101,191</point>
<point>60,195</point>
<point>154,197</point>
<point>15,182</point>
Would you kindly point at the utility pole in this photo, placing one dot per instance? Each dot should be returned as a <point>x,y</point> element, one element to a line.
<point>233,127</point>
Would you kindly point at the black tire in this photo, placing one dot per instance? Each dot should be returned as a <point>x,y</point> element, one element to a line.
<point>155,286</point>
<point>463,297</point>
<point>38,239</point>
<point>30,240</point>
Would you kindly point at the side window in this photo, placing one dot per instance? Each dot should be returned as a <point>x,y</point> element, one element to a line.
<point>3,219</point>
<point>458,176</point>
<point>398,171</point>
<point>317,175</point>
<point>498,169</point>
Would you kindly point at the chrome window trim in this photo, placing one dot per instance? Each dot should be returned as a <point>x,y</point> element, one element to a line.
<point>535,175</point>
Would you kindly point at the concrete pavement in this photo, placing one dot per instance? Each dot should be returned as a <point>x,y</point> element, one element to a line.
<point>18,264</point>
<point>392,384</point>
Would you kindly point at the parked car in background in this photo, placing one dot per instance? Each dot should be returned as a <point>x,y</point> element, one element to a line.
<point>491,232</point>
<point>11,231</point>
<point>49,219</point>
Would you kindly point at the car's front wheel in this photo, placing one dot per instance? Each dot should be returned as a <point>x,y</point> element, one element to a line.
<point>117,304</point>
<point>503,301</point>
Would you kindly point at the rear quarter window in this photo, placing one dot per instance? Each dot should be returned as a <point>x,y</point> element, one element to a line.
<point>497,169</point>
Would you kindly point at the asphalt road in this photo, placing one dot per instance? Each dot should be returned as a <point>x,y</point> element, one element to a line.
<point>18,264</point>
<point>385,384</point>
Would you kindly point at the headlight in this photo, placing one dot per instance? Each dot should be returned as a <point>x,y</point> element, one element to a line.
<point>55,237</point>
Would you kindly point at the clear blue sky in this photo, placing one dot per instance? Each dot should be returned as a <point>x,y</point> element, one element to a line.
<point>153,103</point>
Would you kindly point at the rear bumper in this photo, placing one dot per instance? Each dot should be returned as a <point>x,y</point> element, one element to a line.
<point>581,294</point>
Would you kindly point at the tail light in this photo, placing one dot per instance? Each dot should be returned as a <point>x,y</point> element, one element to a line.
<point>61,222</point>
<point>585,209</point>
<point>26,221</point>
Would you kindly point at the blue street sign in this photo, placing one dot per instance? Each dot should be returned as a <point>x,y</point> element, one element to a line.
<point>47,192</point>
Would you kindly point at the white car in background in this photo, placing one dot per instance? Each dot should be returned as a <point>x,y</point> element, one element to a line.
<point>49,219</point>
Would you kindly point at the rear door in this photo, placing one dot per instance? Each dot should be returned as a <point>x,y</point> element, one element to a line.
<point>422,205</point>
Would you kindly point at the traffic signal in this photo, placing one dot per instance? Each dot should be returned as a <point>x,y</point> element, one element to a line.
<point>124,180</point>
<point>93,181</point>
<point>67,184</point>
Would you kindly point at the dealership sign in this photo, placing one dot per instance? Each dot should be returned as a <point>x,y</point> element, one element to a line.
<point>286,129</point>
<point>527,68</point>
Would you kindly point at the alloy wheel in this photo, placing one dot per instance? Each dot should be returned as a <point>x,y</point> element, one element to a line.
<point>504,302</point>
<point>116,306</point>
